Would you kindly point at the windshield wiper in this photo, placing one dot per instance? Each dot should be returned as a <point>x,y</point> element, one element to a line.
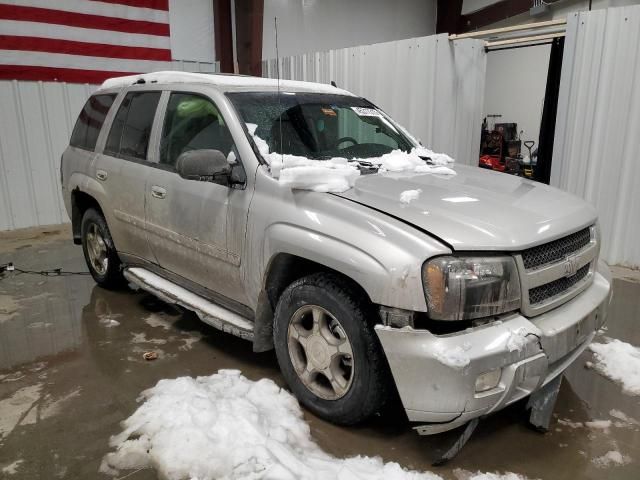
<point>366,168</point>
<point>429,160</point>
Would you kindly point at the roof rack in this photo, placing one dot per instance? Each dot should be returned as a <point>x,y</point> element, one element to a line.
<point>218,79</point>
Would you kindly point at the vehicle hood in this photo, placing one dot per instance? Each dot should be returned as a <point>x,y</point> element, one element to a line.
<point>476,209</point>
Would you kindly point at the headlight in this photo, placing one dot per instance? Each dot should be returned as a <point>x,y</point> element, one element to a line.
<point>463,288</point>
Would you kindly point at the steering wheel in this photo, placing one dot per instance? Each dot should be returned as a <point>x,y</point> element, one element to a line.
<point>346,139</point>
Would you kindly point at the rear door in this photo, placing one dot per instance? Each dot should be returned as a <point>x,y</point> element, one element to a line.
<point>187,220</point>
<point>78,157</point>
<point>123,169</point>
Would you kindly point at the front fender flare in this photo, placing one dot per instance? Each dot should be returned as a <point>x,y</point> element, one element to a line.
<point>385,284</point>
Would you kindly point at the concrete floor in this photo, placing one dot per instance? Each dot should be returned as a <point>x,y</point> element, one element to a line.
<point>67,380</point>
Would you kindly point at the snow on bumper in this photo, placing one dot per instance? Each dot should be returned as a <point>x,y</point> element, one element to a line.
<point>436,375</point>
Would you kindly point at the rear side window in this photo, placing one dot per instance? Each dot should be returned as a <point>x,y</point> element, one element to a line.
<point>131,128</point>
<point>87,128</point>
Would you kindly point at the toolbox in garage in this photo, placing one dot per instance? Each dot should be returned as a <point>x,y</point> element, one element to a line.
<point>509,131</point>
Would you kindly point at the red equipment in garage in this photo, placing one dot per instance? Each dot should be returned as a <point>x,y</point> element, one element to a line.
<point>492,156</point>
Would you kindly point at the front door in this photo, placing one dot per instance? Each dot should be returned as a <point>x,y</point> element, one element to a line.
<point>187,219</point>
<point>122,169</point>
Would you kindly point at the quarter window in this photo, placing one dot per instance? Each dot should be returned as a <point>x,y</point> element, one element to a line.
<point>87,128</point>
<point>131,128</point>
<point>192,122</point>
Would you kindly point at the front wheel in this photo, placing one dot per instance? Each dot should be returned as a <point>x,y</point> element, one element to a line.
<point>328,351</point>
<point>99,251</point>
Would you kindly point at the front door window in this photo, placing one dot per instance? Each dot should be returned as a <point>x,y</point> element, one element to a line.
<point>192,122</point>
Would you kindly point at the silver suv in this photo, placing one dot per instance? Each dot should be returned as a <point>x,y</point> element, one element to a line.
<point>460,291</point>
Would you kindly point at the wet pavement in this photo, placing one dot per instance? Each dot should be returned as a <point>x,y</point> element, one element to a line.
<point>72,367</point>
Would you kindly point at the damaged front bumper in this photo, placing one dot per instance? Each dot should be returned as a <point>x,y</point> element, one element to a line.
<point>527,353</point>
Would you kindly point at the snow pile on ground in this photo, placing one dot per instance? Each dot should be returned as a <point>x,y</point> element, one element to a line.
<point>12,468</point>
<point>623,418</point>
<point>488,476</point>
<point>109,322</point>
<point>339,174</point>
<point>456,357</point>
<point>568,423</point>
<point>226,426</point>
<point>598,424</point>
<point>619,361</point>
<point>611,458</point>
<point>408,195</point>
<point>623,421</point>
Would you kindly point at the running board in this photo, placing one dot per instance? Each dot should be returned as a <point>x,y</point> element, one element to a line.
<point>209,312</point>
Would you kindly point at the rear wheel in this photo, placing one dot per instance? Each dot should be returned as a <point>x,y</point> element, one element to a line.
<point>328,351</point>
<point>99,251</point>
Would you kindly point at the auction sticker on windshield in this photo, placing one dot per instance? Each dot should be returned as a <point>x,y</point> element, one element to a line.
<point>366,112</point>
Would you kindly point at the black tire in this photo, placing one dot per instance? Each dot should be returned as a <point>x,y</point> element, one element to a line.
<point>111,278</point>
<point>369,388</point>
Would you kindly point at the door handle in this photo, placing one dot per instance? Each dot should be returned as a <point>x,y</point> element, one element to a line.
<point>101,175</point>
<point>158,192</point>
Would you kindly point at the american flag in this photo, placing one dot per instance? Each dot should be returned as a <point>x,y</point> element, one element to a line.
<point>83,41</point>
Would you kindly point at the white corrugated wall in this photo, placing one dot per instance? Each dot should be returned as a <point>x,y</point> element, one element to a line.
<point>432,86</point>
<point>597,138</point>
<point>36,119</point>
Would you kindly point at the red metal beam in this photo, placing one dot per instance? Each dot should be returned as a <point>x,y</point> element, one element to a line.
<point>448,16</point>
<point>492,14</point>
<point>223,34</point>
<point>249,17</point>
<point>255,59</point>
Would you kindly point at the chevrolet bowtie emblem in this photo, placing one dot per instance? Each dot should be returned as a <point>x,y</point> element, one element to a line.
<point>571,265</point>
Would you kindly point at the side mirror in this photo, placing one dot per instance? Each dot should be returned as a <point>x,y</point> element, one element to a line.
<point>204,165</point>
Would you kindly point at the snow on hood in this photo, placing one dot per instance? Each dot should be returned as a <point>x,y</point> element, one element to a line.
<point>408,195</point>
<point>225,426</point>
<point>339,174</point>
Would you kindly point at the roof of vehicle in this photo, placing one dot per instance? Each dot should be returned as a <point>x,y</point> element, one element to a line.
<point>223,82</point>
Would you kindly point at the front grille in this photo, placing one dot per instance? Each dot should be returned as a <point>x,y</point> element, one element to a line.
<point>561,285</point>
<point>556,250</point>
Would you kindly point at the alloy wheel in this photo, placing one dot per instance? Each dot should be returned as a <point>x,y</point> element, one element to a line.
<point>97,250</point>
<point>320,352</point>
